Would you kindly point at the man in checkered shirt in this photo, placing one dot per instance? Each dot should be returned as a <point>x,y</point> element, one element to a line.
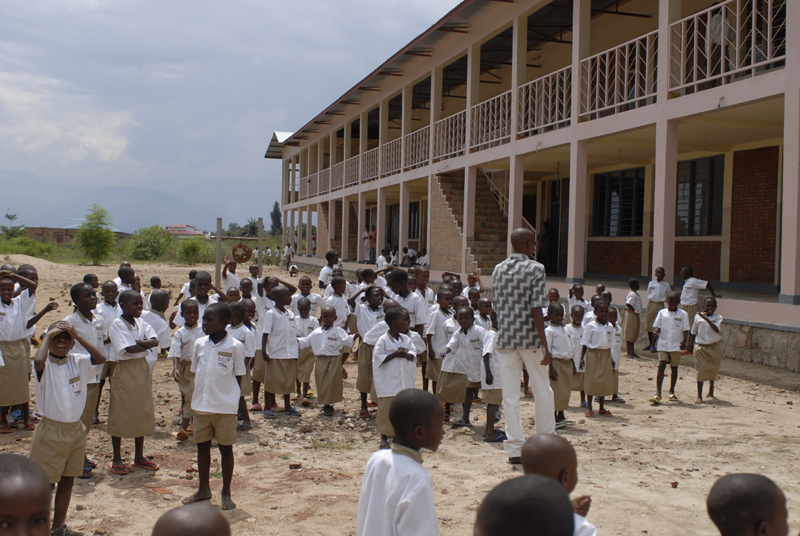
<point>520,292</point>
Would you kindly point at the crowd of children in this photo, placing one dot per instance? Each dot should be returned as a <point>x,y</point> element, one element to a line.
<point>255,332</point>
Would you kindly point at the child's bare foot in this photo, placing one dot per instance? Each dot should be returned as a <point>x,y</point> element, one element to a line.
<point>710,395</point>
<point>199,495</point>
<point>227,503</point>
<point>698,400</point>
<point>634,354</point>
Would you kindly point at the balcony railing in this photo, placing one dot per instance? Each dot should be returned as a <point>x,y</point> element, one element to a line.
<point>491,122</point>
<point>418,148</point>
<point>304,188</point>
<point>369,165</point>
<point>621,78</point>
<point>390,157</point>
<point>337,176</point>
<point>546,103</point>
<point>450,136</point>
<point>313,183</point>
<point>727,42</point>
<point>352,170</point>
<point>324,181</point>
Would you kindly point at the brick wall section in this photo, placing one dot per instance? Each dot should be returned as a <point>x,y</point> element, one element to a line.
<point>445,249</point>
<point>754,213</point>
<point>354,233</point>
<point>335,234</point>
<point>564,226</point>
<point>614,257</point>
<point>703,257</point>
<point>322,230</point>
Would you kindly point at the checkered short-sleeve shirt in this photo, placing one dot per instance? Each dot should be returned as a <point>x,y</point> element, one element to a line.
<point>518,284</point>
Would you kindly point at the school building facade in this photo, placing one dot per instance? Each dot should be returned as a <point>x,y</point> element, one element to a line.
<point>644,133</point>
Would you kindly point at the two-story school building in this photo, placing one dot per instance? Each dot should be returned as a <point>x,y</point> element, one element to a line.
<point>636,133</point>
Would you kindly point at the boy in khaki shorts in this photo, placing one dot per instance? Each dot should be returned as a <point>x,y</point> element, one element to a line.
<point>59,442</point>
<point>671,333</point>
<point>218,364</point>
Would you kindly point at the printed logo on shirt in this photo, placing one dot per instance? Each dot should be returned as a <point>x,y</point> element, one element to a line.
<point>75,384</point>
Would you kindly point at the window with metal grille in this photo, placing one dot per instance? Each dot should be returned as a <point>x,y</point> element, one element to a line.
<point>413,220</point>
<point>700,190</point>
<point>618,206</point>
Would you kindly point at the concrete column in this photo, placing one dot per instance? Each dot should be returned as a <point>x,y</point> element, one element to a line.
<point>381,226</point>
<point>348,140</point>
<point>405,191</point>
<point>292,236</point>
<point>285,229</point>
<point>473,86</point>
<point>309,250</point>
<point>363,131</point>
<point>647,227</point>
<point>436,112</point>
<point>669,11</point>
<point>516,175</point>
<point>576,245</point>
<point>346,230</point>
<point>331,223</point>
<point>285,197</point>
<point>299,248</point>
<point>581,26</point>
<point>332,149</point>
<point>362,224</point>
<point>665,190</point>
<point>790,208</point>
<point>519,68</point>
<point>406,122</point>
<point>383,132</point>
<point>428,211</point>
<point>470,178</point>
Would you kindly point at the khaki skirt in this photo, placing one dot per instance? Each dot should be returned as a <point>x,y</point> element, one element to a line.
<point>186,385</point>
<point>492,397</point>
<point>423,357</point>
<point>433,369</point>
<point>452,387</point>
<point>328,375</point>
<point>130,410</point>
<point>364,381</point>
<point>259,367</point>
<point>650,314</point>
<point>305,365</point>
<point>691,310</point>
<point>92,394</point>
<point>247,383</point>
<point>616,382</point>
<point>562,387</point>
<point>352,324</point>
<point>15,375</point>
<point>281,376</point>
<point>631,331</point>
<point>707,359</point>
<point>577,381</point>
<point>599,377</point>
<point>383,422</point>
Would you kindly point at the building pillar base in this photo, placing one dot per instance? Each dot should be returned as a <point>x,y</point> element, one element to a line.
<point>572,280</point>
<point>789,299</point>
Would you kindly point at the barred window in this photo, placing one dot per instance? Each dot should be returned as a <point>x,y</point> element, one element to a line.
<point>618,206</point>
<point>700,191</point>
<point>413,220</point>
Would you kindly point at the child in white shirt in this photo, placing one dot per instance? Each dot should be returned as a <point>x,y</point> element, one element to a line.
<point>181,351</point>
<point>671,333</point>
<point>397,493</point>
<point>616,351</point>
<point>561,364</point>
<point>245,335</point>
<point>305,324</point>
<point>159,303</point>
<point>707,351</point>
<point>339,302</point>
<point>576,297</point>
<point>367,316</point>
<point>574,331</point>
<point>656,296</point>
<point>218,364</point>
<point>598,336</point>
<point>304,285</point>
<point>633,303</point>
<point>280,350</point>
<point>690,294</point>
<point>202,285</point>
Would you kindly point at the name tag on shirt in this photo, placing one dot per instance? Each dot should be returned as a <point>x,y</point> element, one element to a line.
<point>224,359</point>
<point>380,317</point>
<point>476,344</point>
<point>75,384</point>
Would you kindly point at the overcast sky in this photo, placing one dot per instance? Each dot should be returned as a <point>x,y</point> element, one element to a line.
<point>179,97</point>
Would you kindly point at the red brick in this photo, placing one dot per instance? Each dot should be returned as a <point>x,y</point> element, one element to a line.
<point>614,257</point>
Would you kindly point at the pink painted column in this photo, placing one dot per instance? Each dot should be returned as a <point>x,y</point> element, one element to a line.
<point>362,224</point>
<point>790,211</point>
<point>381,226</point>
<point>405,192</point>
<point>516,175</point>
<point>308,231</point>
<point>576,246</point>
<point>346,230</point>
<point>665,194</point>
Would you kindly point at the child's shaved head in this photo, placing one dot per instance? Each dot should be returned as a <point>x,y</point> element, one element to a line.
<point>552,456</point>
<point>747,504</point>
<point>199,519</point>
<point>416,417</point>
<point>531,504</point>
<point>24,496</point>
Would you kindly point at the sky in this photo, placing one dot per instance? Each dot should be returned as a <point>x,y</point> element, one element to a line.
<point>161,112</point>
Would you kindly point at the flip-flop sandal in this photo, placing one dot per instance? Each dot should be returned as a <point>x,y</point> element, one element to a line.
<point>87,473</point>
<point>561,425</point>
<point>309,394</point>
<point>292,412</point>
<point>91,463</point>
<point>673,397</point>
<point>296,397</point>
<point>372,404</point>
<point>305,402</point>
<point>447,416</point>
<point>568,422</point>
<point>656,400</point>
<point>96,421</point>
<point>149,465</point>
<point>268,414</point>
<point>256,407</point>
<point>5,429</point>
<point>605,413</point>
<point>528,394</point>
<point>364,414</point>
<point>117,469</point>
<point>589,414</point>
<point>499,438</point>
<point>244,427</point>
<point>460,423</point>
<point>32,425</point>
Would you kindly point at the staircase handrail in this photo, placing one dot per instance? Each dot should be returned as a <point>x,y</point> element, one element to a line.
<point>500,196</point>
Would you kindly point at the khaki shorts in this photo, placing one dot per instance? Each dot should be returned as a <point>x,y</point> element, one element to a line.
<point>59,448</point>
<point>673,358</point>
<point>492,396</point>
<point>384,425</point>
<point>208,426</point>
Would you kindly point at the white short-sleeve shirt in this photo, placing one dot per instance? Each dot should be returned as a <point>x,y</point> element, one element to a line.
<point>616,346</point>
<point>231,280</point>
<point>415,305</point>
<point>671,324</point>
<point>281,328</point>
<point>93,330</point>
<point>703,332</point>
<point>558,342</point>
<point>325,275</point>
<point>395,375</point>
<point>305,325</point>
<point>61,390</point>
<point>371,337</point>
<point>13,320</point>
<point>597,336</point>
<point>573,301</point>
<point>342,309</point>
<point>436,330</point>
<point>366,317</point>
<point>466,352</point>
<point>327,342</point>
<point>212,298</point>
<point>634,300</point>
<point>246,336</point>
<point>574,334</point>
<point>124,335</point>
<point>315,300</point>
<point>160,326</point>
<point>657,291</point>
<point>216,367</point>
<point>691,290</point>
<point>182,345</point>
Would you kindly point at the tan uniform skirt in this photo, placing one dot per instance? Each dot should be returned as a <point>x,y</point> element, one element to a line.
<point>281,376</point>
<point>92,394</point>
<point>422,358</point>
<point>130,410</point>
<point>434,369</point>
<point>691,310</point>
<point>15,375</point>
<point>577,381</point>
<point>186,385</point>
<point>631,330</point>
<point>364,381</point>
<point>492,396</point>
<point>383,422</point>
<point>108,369</point>
<point>452,387</point>
<point>305,365</point>
<point>650,314</point>
<point>247,383</point>
<point>328,375</point>
<point>562,387</point>
<point>259,367</point>
<point>616,382</point>
<point>599,377</point>
<point>707,360</point>
<point>352,324</point>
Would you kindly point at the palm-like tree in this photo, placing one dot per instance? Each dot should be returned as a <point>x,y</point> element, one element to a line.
<point>250,228</point>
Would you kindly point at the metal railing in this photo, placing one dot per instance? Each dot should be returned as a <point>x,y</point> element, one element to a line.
<point>303,188</point>
<point>491,122</point>
<point>727,42</point>
<point>391,154</point>
<point>352,170</point>
<point>546,103</point>
<point>621,78</point>
<point>498,185</point>
<point>417,148</point>
<point>324,181</point>
<point>369,165</point>
<point>337,176</point>
<point>450,136</point>
<point>313,183</point>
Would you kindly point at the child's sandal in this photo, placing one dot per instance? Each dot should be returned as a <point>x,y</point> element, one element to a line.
<point>589,414</point>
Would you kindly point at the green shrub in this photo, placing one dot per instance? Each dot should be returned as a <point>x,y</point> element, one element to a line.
<point>22,245</point>
<point>190,250</point>
<point>150,243</point>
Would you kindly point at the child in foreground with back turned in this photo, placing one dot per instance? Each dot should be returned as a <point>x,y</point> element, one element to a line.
<point>747,504</point>
<point>397,492</point>
<point>25,498</point>
<point>200,519</point>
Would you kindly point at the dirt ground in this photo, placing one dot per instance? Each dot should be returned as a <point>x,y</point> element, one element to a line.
<point>628,463</point>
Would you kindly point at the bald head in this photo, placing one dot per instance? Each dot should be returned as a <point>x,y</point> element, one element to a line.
<point>199,519</point>
<point>523,240</point>
<point>746,504</point>
<point>389,303</point>
<point>552,456</point>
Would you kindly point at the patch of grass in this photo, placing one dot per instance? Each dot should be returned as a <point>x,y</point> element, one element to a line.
<point>216,472</point>
<point>284,456</point>
<point>336,445</point>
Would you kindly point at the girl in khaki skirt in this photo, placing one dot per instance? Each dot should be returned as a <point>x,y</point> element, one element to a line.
<point>561,365</point>
<point>368,312</point>
<point>596,358</point>
<point>305,363</point>
<point>181,351</point>
<point>130,409</point>
<point>707,351</point>
<point>633,303</point>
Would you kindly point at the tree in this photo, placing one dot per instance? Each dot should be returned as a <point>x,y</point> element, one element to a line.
<point>275,216</point>
<point>95,237</point>
<point>190,249</point>
<point>250,228</point>
<point>149,243</point>
<point>10,230</point>
<point>234,229</point>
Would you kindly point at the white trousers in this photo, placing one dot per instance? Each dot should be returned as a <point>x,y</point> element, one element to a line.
<point>510,374</point>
